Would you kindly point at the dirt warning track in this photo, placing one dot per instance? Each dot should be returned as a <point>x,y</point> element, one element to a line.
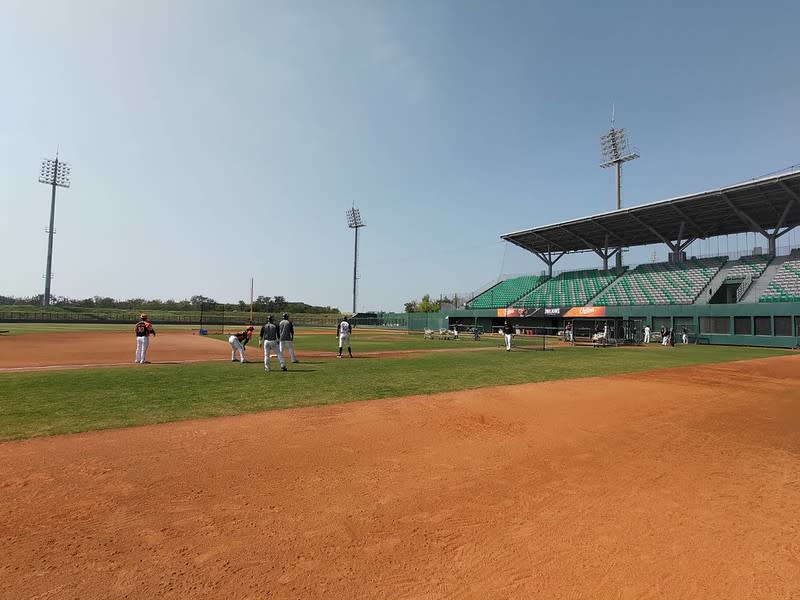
<point>679,483</point>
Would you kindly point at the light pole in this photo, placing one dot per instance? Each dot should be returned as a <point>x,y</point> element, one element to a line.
<point>614,146</point>
<point>354,222</point>
<point>54,173</point>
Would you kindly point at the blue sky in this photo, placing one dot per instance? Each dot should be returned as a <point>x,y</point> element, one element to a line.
<point>211,142</point>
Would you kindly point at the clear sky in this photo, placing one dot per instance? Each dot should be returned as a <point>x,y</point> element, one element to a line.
<point>211,142</point>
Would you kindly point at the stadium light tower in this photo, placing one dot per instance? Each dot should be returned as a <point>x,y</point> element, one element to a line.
<point>614,146</point>
<point>54,173</point>
<point>355,222</point>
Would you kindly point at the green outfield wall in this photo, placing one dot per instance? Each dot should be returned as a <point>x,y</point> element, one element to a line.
<point>769,324</point>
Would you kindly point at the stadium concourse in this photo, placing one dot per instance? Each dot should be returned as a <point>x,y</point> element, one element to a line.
<point>752,298</point>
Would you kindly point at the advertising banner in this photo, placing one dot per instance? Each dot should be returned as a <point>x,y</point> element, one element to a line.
<point>586,312</point>
<point>533,312</point>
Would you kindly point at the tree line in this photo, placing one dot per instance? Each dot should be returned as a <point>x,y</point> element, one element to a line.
<point>195,303</point>
<point>426,305</point>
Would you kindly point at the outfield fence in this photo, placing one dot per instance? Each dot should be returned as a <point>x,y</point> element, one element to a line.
<point>218,319</point>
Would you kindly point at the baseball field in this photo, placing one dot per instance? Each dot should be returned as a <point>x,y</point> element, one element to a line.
<point>418,469</point>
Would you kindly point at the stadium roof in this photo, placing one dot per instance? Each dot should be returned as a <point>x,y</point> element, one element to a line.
<point>761,205</point>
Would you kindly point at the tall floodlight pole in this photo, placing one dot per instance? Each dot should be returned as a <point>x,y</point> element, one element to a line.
<point>54,173</point>
<point>614,146</point>
<point>355,222</point>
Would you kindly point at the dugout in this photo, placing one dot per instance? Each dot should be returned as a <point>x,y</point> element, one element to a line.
<point>619,331</point>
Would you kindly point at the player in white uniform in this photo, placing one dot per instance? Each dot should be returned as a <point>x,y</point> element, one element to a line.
<point>647,334</point>
<point>343,333</point>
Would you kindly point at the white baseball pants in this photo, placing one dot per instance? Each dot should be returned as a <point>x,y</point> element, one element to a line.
<point>288,345</point>
<point>271,346</point>
<point>236,346</point>
<point>142,343</point>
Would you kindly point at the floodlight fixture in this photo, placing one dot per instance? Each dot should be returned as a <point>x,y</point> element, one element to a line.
<point>614,147</point>
<point>355,222</point>
<point>54,173</point>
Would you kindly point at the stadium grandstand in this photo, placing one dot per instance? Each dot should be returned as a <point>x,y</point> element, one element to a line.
<point>752,299</point>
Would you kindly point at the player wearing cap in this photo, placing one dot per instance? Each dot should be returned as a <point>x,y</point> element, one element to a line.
<point>343,333</point>
<point>269,337</point>
<point>286,337</point>
<point>238,341</point>
<point>143,329</point>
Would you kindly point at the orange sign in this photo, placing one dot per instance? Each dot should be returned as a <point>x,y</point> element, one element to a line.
<point>586,312</point>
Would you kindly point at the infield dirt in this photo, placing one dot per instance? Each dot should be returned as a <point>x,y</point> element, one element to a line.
<point>680,483</point>
<point>42,351</point>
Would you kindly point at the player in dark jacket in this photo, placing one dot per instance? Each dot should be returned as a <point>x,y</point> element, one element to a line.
<point>269,338</point>
<point>143,330</point>
<point>508,331</point>
<point>286,337</point>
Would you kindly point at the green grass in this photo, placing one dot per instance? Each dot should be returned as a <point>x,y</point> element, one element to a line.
<point>371,340</point>
<point>47,403</point>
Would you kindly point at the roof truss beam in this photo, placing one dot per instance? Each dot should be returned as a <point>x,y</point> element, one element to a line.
<point>581,239</point>
<point>651,229</point>
<point>547,258</point>
<point>548,242</point>
<point>744,216</point>
<point>700,231</point>
<point>619,240</point>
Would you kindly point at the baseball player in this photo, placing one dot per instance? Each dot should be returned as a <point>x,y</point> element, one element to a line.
<point>286,337</point>
<point>508,331</point>
<point>238,341</point>
<point>647,334</point>
<point>143,329</point>
<point>343,333</point>
<point>269,337</point>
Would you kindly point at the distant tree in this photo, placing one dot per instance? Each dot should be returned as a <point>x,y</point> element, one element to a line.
<point>208,303</point>
<point>426,305</point>
<point>106,302</point>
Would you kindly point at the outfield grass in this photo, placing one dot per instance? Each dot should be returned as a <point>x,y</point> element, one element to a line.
<point>25,328</point>
<point>47,403</point>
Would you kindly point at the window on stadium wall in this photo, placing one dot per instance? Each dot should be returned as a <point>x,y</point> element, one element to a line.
<point>743,325</point>
<point>718,325</point>
<point>659,322</point>
<point>763,325</point>
<point>681,322</point>
<point>783,326</point>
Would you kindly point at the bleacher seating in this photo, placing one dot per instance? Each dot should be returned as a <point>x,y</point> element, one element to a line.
<point>662,283</point>
<point>506,292</point>
<point>785,286</point>
<point>748,265</point>
<point>571,288</point>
